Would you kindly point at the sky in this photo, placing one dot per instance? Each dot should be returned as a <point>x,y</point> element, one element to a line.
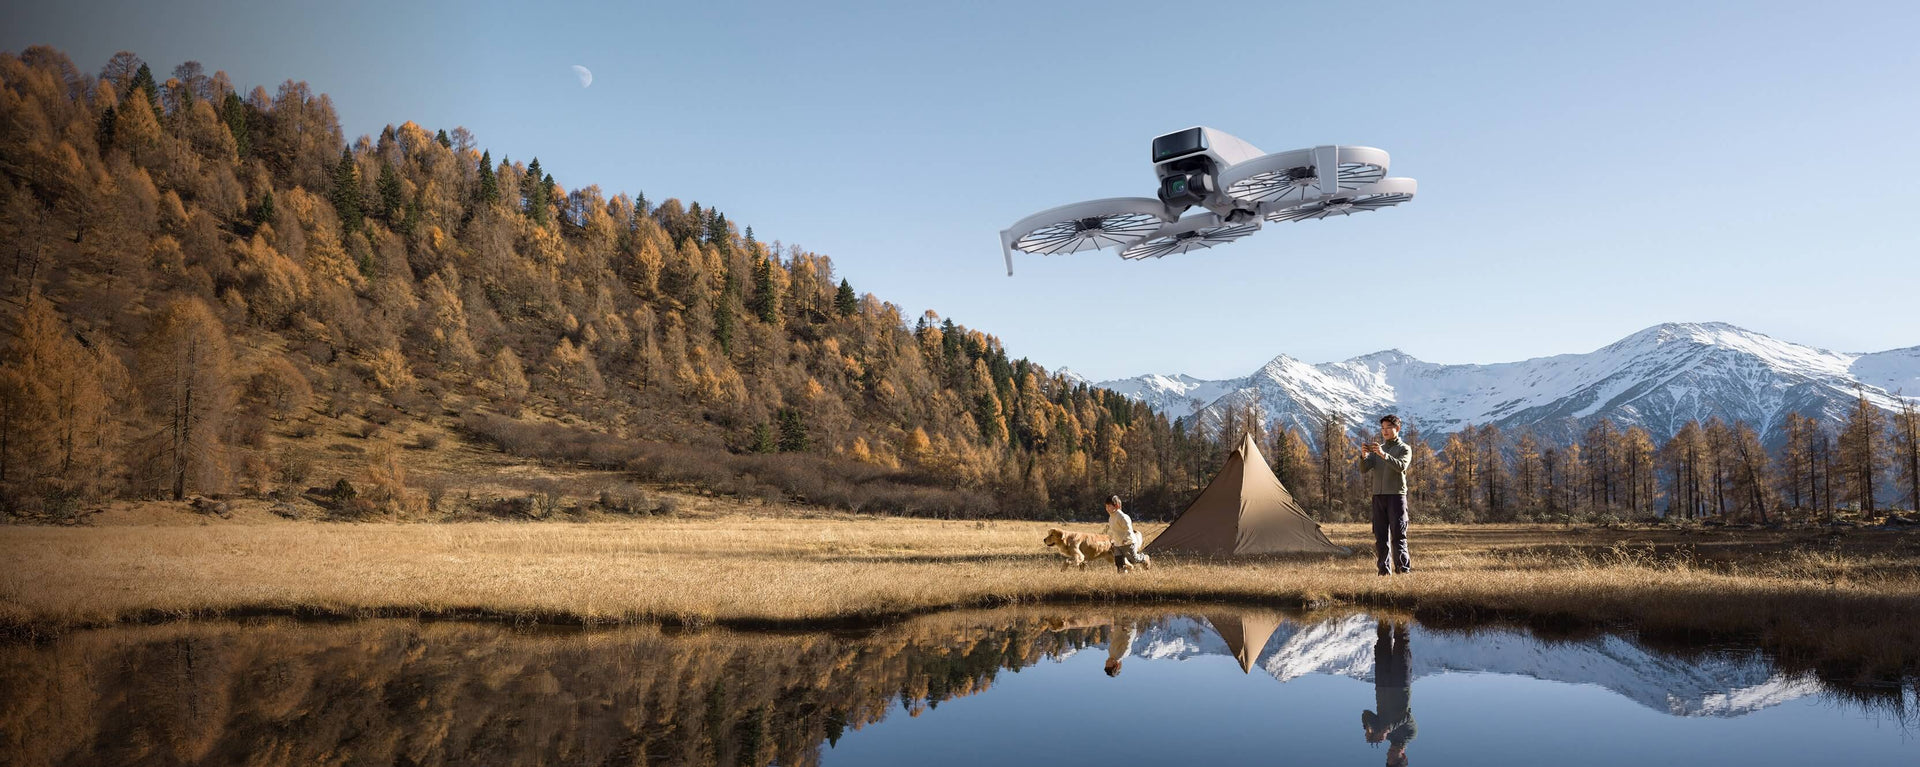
<point>1585,170</point>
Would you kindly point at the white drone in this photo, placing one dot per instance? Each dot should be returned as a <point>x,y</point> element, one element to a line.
<point>1237,185</point>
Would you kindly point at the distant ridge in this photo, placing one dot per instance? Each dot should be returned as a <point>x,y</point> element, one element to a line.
<point>1658,378</point>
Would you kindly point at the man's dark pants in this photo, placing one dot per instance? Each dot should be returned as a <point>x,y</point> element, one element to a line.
<point>1390,533</point>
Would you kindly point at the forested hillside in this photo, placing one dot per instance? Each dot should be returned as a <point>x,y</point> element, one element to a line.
<point>210,291</point>
<point>202,281</point>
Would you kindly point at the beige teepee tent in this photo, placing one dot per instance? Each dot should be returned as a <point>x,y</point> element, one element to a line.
<point>1246,633</point>
<point>1244,510</point>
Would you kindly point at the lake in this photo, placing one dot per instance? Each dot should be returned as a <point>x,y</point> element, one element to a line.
<point>1055,686</point>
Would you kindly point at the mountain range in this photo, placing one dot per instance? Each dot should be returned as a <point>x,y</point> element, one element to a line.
<point>1658,378</point>
<point>1715,684</point>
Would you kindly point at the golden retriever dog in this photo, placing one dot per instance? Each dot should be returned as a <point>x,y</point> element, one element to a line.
<point>1079,547</point>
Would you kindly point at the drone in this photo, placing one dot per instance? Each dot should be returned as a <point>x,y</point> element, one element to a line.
<point>1237,186</point>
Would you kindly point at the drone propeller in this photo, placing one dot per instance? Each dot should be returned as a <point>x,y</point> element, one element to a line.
<point>1189,234</point>
<point>1384,193</point>
<point>1287,179</point>
<point>1092,225</point>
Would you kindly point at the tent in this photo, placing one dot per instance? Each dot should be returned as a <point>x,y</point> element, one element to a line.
<point>1244,510</point>
<point>1246,633</point>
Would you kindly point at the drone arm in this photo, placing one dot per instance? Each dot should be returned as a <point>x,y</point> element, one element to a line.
<point>1327,160</point>
<point>1006,248</point>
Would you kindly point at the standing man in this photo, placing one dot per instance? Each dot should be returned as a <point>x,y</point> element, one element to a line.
<point>1385,466</point>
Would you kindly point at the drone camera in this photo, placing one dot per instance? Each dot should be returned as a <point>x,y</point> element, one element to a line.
<point>1186,189</point>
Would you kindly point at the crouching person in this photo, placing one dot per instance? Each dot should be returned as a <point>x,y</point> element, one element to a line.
<point>1126,540</point>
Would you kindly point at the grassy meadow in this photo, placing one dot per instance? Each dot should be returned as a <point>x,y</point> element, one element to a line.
<point>1849,601</point>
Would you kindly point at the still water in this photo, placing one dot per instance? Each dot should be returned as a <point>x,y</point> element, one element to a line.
<point>1062,686</point>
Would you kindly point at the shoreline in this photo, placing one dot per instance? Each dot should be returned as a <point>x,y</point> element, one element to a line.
<point>1849,604</point>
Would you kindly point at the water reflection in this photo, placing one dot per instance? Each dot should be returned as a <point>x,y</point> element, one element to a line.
<point>403,693</point>
<point>1391,719</point>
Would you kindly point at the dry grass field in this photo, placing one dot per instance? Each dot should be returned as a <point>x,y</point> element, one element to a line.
<point>1848,600</point>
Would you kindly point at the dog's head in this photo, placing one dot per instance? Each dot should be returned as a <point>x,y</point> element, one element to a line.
<point>1054,536</point>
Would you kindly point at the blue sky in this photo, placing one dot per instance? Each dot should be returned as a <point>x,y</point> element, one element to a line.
<point>1585,171</point>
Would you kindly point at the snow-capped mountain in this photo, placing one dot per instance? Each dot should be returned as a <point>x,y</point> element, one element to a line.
<point>1722,684</point>
<point>1658,378</point>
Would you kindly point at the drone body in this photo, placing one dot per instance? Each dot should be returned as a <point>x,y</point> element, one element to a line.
<point>1236,186</point>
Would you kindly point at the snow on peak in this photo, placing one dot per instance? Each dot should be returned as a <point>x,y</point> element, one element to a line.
<point>1658,378</point>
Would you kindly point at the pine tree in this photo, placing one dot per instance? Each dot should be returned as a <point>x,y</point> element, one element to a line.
<point>233,112</point>
<point>391,197</point>
<point>143,83</point>
<point>845,301</point>
<point>535,189</point>
<point>346,192</point>
<point>763,441</point>
<point>263,212</point>
<point>793,431</point>
<point>488,190</point>
<point>103,134</point>
<point>717,233</point>
<point>444,140</point>
<point>766,300</point>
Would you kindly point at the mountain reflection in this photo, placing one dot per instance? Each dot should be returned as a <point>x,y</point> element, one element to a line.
<point>405,693</point>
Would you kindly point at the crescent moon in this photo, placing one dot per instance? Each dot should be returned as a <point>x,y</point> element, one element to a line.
<point>585,75</point>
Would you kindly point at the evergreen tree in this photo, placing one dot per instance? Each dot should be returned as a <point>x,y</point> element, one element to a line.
<point>103,136</point>
<point>723,323</point>
<point>263,212</point>
<point>763,441</point>
<point>535,189</point>
<point>793,431</point>
<point>416,209</point>
<point>233,112</point>
<point>717,233</point>
<point>749,236</point>
<point>845,301</point>
<point>766,302</point>
<point>346,192</point>
<point>390,194</point>
<point>488,190</point>
<point>444,140</point>
<point>143,82</point>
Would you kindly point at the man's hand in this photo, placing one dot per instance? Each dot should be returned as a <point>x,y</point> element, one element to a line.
<point>1369,447</point>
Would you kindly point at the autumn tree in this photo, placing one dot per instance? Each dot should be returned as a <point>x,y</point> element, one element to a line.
<point>1863,452</point>
<point>183,378</point>
<point>58,441</point>
<point>1636,456</point>
<point>1905,432</point>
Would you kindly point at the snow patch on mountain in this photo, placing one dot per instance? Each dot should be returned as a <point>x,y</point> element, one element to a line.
<point>1658,378</point>
<point>1716,684</point>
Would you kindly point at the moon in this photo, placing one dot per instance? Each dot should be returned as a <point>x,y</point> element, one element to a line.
<point>585,75</point>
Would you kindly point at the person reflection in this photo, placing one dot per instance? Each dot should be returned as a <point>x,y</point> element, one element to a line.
<point>1391,719</point>
<point>1119,644</point>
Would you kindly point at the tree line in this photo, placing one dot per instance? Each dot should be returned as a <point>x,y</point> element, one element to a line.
<point>1706,469</point>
